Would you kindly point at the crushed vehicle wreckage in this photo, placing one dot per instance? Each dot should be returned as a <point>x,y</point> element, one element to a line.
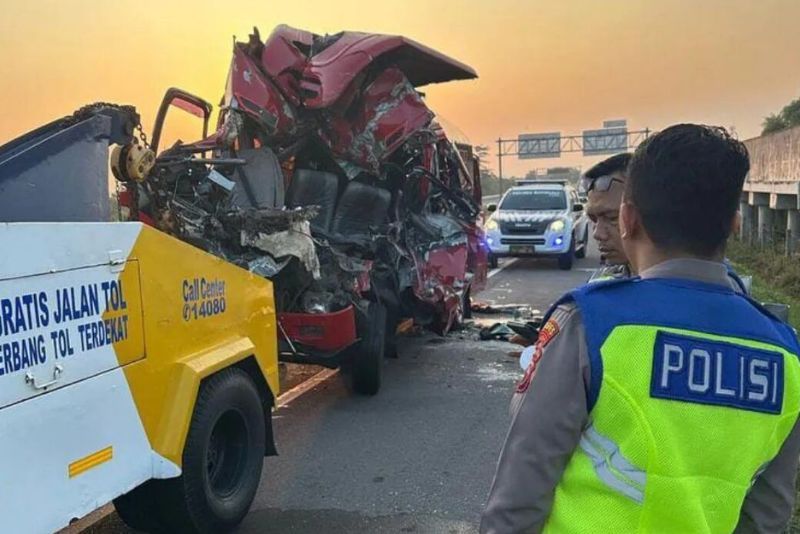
<point>329,175</point>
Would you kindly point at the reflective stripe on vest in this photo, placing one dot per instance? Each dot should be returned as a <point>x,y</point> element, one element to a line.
<point>611,466</point>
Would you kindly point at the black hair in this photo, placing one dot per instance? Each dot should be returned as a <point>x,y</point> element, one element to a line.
<point>616,163</point>
<point>686,182</point>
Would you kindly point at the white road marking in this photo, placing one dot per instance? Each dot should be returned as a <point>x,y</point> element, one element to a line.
<point>501,267</point>
<point>304,387</point>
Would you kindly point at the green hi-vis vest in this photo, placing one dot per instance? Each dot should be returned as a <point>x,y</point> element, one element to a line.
<point>693,391</point>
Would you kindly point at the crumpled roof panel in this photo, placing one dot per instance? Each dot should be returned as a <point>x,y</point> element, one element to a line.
<point>328,72</point>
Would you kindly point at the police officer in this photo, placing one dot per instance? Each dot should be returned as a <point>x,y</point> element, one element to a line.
<point>666,402</point>
<point>603,184</point>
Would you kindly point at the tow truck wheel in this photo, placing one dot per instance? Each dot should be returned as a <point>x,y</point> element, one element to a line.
<point>368,355</point>
<point>222,458</point>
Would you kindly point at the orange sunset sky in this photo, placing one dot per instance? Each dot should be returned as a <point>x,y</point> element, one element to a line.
<point>544,65</point>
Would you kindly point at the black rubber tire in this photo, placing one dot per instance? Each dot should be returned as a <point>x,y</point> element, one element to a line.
<point>229,404</point>
<point>566,259</point>
<point>368,354</point>
<point>466,304</point>
<point>581,252</point>
<point>138,508</point>
<point>492,261</point>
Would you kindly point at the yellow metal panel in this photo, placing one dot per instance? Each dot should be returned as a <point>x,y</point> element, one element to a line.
<point>93,460</point>
<point>127,316</point>
<point>201,314</point>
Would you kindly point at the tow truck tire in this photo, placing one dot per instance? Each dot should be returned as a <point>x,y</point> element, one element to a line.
<point>368,355</point>
<point>492,261</point>
<point>565,260</point>
<point>222,458</point>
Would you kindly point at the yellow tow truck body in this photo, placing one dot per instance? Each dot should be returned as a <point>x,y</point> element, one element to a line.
<point>110,336</point>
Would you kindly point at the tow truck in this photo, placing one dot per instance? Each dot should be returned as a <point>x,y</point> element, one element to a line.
<point>134,368</point>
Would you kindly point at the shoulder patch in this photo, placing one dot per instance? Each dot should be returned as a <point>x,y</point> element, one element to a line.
<point>546,335</point>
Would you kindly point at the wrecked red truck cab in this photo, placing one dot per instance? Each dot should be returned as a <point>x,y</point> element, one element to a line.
<point>329,175</point>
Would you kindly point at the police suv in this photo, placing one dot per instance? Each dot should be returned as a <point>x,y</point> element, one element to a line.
<point>538,218</point>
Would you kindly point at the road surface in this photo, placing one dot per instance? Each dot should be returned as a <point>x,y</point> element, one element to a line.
<point>418,457</point>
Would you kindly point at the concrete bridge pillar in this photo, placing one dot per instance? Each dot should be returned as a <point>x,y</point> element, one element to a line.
<point>793,230</point>
<point>764,224</point>
<point>746,231</point>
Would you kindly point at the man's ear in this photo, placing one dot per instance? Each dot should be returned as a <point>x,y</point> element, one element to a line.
<point>628,220</point>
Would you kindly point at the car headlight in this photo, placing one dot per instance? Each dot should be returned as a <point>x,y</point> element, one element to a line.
<point>491,224</point>
<point>557,225</point>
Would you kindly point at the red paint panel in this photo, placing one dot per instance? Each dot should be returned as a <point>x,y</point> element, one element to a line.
<point>259,97</point>
<point>388,113</point>
<point>328,332</point>
<point>339,64</point>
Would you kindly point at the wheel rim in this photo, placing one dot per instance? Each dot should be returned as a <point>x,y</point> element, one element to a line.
<point>226,457</point>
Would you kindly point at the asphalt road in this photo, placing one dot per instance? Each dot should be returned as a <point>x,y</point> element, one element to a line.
<point>419,456</point>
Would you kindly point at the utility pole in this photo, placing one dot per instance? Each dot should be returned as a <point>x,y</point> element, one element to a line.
<point>500,163</point>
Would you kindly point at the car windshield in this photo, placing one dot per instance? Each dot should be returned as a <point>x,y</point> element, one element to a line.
<point>534,199</point>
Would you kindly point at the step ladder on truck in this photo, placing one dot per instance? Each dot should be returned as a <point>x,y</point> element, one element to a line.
<point>134,368</point>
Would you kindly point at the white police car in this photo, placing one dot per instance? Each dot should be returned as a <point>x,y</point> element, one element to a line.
<point>538,218</point>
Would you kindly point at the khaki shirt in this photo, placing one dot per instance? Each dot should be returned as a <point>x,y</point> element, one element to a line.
<point>548,419</point>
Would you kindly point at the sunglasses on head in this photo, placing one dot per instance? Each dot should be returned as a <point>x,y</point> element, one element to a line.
<point>600,184</point>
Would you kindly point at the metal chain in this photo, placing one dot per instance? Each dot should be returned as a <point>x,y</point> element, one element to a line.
<point>142,135</point>
<point>85,111</point>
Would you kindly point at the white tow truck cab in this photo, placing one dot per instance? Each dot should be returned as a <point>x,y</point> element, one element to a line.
<point>134,368</point>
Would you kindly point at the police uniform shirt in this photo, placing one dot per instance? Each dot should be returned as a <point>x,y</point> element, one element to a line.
<point>541,440</point>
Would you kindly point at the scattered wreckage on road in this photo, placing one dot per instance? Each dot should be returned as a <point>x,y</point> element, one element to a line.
<point>328,174</point>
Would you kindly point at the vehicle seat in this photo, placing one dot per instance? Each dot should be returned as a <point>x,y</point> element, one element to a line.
<point>360,208</point>
<point>314,188</point>
<point>259,183</point>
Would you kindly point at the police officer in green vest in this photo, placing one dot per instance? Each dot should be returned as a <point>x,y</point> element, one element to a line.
<point>667,402</point>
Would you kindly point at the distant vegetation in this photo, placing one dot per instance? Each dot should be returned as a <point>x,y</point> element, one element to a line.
<point>788,117</point>
<point>776,277</point>
<point>490,183</point>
